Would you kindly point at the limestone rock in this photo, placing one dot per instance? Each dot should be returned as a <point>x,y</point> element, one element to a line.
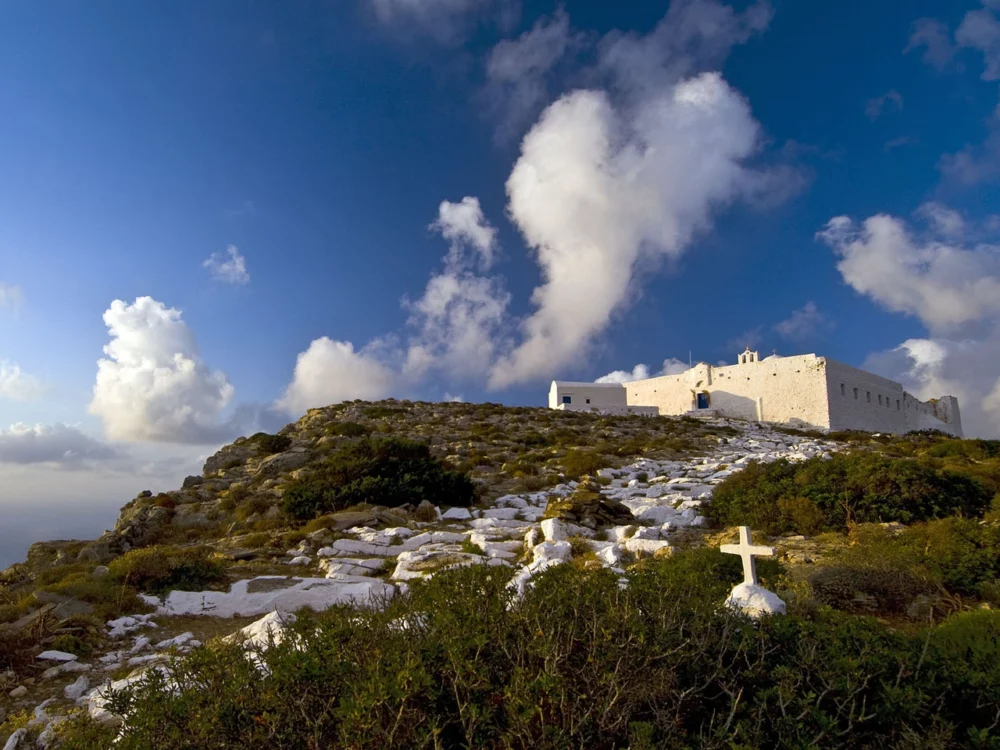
<point>421,563</point>
<point>282,463</point>
<point>588,507</point>
<point>755,601</point>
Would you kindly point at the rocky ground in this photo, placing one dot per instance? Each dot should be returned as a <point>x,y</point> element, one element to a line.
<point>531,516</point>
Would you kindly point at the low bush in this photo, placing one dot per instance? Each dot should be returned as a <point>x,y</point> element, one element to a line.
<point>378,471</point>
<point>159,569</point>
<point>884,572</point>
<point>268,444</point>
<point>578,462</point>
<point>846,489</point>
<point>580,661</point>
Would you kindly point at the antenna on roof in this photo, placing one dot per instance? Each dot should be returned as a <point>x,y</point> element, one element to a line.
<point>690,365</point>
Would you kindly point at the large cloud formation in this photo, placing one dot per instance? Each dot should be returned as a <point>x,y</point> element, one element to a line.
<point>612,178</point>
<point>58,444</point>
<point>949,279</point>
<point>331,371</point>
<point>152,385</point>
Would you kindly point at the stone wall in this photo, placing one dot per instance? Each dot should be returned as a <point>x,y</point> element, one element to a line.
<point>775,389</point>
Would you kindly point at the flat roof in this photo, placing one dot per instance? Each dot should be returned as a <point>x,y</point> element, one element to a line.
<point>588,385</point>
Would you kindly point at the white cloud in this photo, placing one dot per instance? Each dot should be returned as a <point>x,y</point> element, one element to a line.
<point>58,444</point>
<point>947,222</point>
<point>952,284</point>
<point>11,296</point>
<point>876,106</point>
<point>598,188</point>
<point>980,30</point>
<point>670,366</point>
<point>449,398</point>
<point>17,385</point>
<point>961,367</point>
<point>935,39</point>
<point>455,327</point>
<point>803,323</point>
<point>464,226</point>
<point>152,385</point>
<point>903,140</point>
<point>329,372</point>
<point>517,71</point>
<point>231,271</point>
<point>942,282</point>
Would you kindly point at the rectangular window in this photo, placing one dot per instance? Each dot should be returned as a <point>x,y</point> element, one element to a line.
<point>843,389</point>
<point>567,399</point>
<point>880,399</point>
<point>855,394</point>
<point>868,395</point>
<point>588,400</point>
<point>897,404</point>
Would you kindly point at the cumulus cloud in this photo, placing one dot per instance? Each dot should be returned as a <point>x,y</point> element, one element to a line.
<point>464,226</point>
<point>934,38</point>
<point>17,385</point>
<point>152,384</point>
<point>11,296</point>
<point>950,280</point>
<point>943,283</point>
<point>230,268</point>
<point>329,372</point>
<point>455,328</point>
<point>58,444</point>
<point>671,366</point>
<point>458,324</point>
<point>803,323</point>
<point>875,107</point>
<point>599,188</point>
<point>517,72</point>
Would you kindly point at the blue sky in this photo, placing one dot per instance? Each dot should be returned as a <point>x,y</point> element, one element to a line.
<point>477,195</point>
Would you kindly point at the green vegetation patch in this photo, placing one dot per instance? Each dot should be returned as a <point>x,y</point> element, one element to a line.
<point>378,471</point>
<point>580,661</point>
<point>159,569</point>
<point>849,488</point>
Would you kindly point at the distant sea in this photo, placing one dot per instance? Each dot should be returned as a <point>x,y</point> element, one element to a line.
<point>21,526</point>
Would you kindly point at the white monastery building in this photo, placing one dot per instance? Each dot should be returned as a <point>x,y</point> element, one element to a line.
<point>802,391</point>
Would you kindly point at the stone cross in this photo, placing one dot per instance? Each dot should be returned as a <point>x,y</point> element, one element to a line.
<point>747,551</point>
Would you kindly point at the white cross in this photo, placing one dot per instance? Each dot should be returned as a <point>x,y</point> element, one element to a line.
<point>747,551</point>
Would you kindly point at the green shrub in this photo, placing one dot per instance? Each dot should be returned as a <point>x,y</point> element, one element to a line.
<point>378,471</point>
<point>268,444</point>
<point>884,572</point>
<point>847,489</point>
<point>16,649</point>
<point>580,661</point>
<point>159,569</point>
<point>578,462</point>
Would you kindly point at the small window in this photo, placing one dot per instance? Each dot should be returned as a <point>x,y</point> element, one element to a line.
<point>897,404</point>
<point>588,400</point>
<point>880,399</point>
<point>868,395</point>
<point>843,389</point>
<point>855,394</point>
<point>567,399</point>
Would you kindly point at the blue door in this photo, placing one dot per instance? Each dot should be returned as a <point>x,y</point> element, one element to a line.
<point>702,400</point>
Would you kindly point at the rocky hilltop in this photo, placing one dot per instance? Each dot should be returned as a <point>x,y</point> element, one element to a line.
<point>351,504</point>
